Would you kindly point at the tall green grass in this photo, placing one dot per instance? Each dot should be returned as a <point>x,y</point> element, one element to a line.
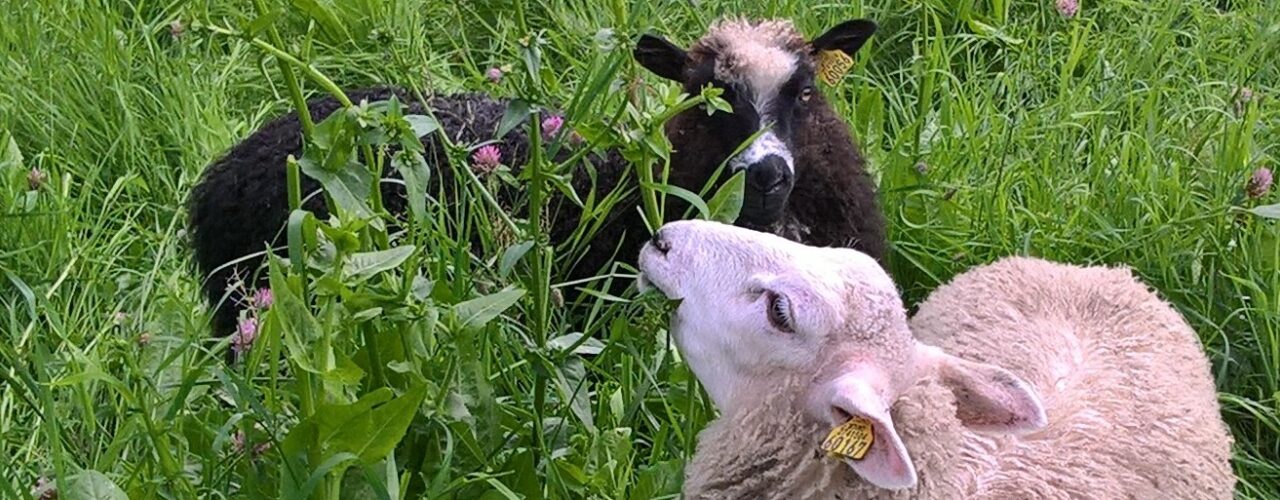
<point>1114,137</point>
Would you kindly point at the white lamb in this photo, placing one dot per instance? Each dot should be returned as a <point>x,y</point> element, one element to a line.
<point>1104,391</point>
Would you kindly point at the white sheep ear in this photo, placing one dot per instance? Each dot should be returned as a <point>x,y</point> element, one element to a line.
<point>988,398</point>
<point>886,464</point>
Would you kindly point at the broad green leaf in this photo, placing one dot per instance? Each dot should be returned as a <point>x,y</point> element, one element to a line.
<point>587,346</point>
<point>526,481</point>
<point>345,372</point>
<point>93,485</point>
<point>1266,211</point>
<point>330,418</point>
<point>422,124</point>
<point>416,174</point>
<point>479,311</point>
<point>570,378</point>
<point>518,110</point>
<point>10,155</point>
<point>684,194</point>
<point>367,314</point>
<point>372,435</point>
<point>349,185</point>
<point>663,479</point>
<point>297,326</point>
<point>727,202</point>
<point>511,256</point>
<point>364,265</point>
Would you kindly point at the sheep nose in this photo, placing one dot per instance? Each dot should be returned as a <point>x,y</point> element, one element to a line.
<point>768,175</point>
<point>659,242</point>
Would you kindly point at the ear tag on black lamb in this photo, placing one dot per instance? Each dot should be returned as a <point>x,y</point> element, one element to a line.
<point>832,65</point>
<point>851,439</point>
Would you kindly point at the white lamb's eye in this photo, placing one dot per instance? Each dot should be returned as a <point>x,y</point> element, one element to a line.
<point>779,312</point>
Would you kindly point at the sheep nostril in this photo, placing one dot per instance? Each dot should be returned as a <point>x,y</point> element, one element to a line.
<point>769,175</point>
<point>660,243</point>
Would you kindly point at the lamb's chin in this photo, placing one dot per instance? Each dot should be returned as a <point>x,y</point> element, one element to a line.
<point>644,285</point>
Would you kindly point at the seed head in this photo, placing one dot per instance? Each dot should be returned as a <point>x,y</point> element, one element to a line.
<point>551,126</point>
<point>494,74</point>
<point>1259,183</point>
<point>262,299</point>
<point>176,29</point>
<point>1068,8</point>
<point>1243,96</point>
<point>486,159</point>
<point>36,178</point>
<point>245,334</point>
<point>45,489</point>
<point>237,442</point>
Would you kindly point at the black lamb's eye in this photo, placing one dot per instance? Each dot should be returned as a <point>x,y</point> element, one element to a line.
<point>806,93</point>
<point>779,312</point>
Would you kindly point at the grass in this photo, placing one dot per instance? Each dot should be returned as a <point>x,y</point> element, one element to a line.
<point>1115,137</point>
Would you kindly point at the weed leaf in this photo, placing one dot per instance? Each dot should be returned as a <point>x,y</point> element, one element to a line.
<point>518,110</point>
<point>364,265</point>
<point>479,311</point>
<point>1267,211</point>
<point>727,202</point>
<point>94,485</point>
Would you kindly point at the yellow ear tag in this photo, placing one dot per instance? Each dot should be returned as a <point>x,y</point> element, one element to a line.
<point>832,65</point>
<point>851,439</point>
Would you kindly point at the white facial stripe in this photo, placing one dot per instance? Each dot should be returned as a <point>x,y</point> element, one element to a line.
<point>762,69</point>
<point>765,145</point>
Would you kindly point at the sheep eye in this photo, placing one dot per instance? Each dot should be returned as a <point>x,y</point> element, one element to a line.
<point>779,312</point>
<point>806,93</point>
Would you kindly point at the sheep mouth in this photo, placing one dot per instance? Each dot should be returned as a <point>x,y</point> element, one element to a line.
<point>762,210</point>
<point>653,272</point>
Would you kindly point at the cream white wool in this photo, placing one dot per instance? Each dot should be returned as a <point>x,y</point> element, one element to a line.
<point>1024,379</point>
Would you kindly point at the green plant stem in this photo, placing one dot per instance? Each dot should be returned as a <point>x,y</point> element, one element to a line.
<point>290,80</point>
<point>312,74</point>
<point>648,195</point>
<point>375,195</point>
<point>375,357</point>
<point>540,277</point>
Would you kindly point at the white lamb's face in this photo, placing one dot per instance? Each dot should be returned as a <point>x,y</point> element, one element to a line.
<point>754,304</point>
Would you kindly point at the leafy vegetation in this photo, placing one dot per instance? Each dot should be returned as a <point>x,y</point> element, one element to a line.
<point>392,362</point>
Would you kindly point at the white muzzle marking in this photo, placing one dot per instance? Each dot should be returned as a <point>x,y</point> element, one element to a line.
<point>766,144</point>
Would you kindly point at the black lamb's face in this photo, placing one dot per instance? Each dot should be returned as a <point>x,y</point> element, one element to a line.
<point>766,70</point>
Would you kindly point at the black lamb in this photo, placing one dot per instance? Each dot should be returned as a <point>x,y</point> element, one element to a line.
<point>805,177</point>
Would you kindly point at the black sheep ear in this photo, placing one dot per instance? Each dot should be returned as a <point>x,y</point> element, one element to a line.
<point>846,37</point>
<point>661,57</point>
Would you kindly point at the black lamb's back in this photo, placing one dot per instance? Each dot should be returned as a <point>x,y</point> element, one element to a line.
<point>240,205</point>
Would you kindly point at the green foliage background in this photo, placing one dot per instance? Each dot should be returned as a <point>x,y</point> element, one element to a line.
<point>1119,136</point>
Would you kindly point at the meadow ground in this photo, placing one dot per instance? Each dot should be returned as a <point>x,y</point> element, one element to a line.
<point>1121,135</point>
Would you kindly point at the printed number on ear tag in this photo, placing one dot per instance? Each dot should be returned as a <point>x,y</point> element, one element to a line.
<point>832,65</point>
<point>851,439</point>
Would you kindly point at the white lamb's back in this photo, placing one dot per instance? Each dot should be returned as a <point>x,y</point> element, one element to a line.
<point>1126,387</point>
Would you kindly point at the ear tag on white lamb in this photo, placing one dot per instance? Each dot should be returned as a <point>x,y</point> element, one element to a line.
<point>851,439</point>
<point>832,65</point>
